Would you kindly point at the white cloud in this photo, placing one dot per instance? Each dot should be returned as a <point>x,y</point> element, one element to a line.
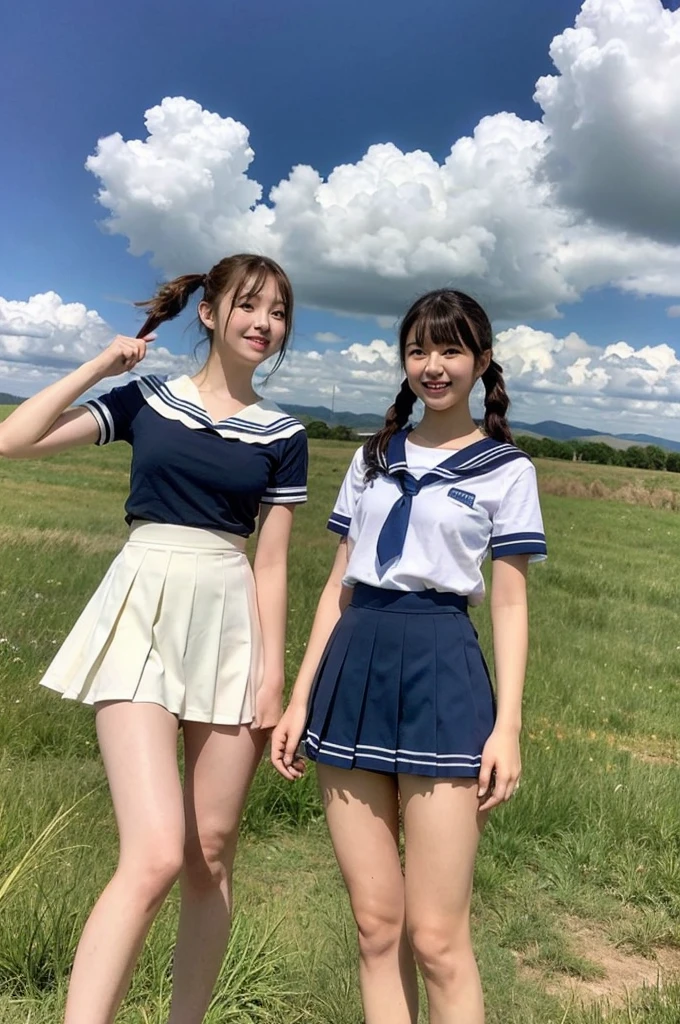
<point>327,337</point>
<point>618,387</point>
<point>527,215</point>
<point>45,337</point>
<point>613,115</point>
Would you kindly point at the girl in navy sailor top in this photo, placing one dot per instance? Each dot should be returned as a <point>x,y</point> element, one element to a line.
<point>393,699</point>
<point>181,629</point>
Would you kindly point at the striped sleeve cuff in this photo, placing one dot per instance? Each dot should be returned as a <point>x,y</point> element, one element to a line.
<point>284,496</point>
<point>104,421</point>
<point>520,544</point>
<point>338,524</point>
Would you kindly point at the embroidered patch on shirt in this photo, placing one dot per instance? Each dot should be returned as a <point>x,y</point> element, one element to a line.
<point>463,496</point>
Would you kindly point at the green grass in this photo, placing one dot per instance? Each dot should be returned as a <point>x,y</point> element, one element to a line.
<point>592,839</point>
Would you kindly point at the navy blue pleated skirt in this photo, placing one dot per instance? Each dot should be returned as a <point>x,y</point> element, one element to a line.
<point>402,687</point>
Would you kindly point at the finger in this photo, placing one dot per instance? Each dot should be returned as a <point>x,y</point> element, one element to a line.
<point>290,749</point>
<point>150,337</point>
<point>500,790</point>
<point>484,778</point>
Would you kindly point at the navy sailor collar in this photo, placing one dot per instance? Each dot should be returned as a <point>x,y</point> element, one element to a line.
<point>475,459</point>
<point>179,400</point>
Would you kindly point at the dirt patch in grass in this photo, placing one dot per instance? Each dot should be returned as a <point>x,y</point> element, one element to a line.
<point>629,494</point>
<point>649,749</point>
<point>619,973</point>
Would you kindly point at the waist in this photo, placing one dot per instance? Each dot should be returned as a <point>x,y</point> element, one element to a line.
<point>194,538</point>
<point>428,601</point>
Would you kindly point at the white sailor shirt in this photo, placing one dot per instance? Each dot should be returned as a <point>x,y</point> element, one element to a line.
<point>486,500</point>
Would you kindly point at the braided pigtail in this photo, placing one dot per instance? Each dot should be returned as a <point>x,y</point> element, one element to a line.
<point>496,404</point>
<point>375,449</point>
<point>169,301</point>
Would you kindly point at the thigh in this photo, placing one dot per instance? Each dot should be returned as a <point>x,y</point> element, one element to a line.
<point>138,743</point>
<point>442,826</point>
<point>220,762</point>
<point>362,810</point>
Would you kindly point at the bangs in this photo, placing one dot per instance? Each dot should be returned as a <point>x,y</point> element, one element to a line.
<point>440,324</point>
<point>252,281</point>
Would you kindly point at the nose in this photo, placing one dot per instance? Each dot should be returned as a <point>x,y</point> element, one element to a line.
<point>261,320</point>
<point>433,367</point>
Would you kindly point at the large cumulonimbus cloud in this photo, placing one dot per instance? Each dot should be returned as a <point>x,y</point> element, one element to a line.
<point>526,215</point>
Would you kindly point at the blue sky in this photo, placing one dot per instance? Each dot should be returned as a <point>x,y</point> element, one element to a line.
<point>315,84</point>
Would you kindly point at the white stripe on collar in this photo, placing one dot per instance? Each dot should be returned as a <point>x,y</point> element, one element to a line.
<point>260,423</point>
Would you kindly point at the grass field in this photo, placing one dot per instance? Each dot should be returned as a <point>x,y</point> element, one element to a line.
<point>577,901</point>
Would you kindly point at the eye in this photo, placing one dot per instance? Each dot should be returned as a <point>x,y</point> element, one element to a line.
<point>415,351</point>
<point>280,313</point>
<point>452,352</point>
<point>246,304</point>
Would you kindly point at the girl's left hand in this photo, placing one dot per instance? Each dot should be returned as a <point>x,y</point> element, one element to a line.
<point>268,706</point>
<point>501,761</point>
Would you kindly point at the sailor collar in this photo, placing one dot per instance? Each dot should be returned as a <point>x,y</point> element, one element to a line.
<point>179,400</point>
<point>475,459</point>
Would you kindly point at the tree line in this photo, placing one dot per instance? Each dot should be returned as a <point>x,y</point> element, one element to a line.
<point>317,428</point>
<point>649,456</point>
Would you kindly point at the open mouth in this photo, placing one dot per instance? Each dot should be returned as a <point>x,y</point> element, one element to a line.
<point>436,388</point>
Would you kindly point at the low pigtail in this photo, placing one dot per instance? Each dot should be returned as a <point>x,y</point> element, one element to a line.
<point>496,404</point>
<point>375,449</point>
<point>169,301</point>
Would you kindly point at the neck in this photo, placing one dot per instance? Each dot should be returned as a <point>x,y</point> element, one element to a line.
<point>227,379</point>
<point>439,428</point>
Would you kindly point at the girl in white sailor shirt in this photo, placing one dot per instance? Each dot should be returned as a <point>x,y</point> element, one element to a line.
<point>180,630</point>
<point>393,699</point>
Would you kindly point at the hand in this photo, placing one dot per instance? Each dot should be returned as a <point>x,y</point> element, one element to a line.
<point>501,761</point>
<point>268,706</point>
<point>122,355</point>
<point>285,740</point>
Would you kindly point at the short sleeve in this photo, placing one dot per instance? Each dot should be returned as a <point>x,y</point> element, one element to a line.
<point>345,505</point>
<point>517,527</point>
<point>115,411</point>
<point>288,482</point>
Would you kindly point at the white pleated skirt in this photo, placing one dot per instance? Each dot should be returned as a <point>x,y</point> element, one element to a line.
<point>174,622</point>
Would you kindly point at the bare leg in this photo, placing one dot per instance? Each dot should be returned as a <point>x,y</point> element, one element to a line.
<point>139,748</point>
<point>442,828</point>
<point>363,818</point>
<point>220,764</point>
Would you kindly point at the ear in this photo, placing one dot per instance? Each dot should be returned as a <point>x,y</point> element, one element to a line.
<point>206,315</point>
<point>484,362</point>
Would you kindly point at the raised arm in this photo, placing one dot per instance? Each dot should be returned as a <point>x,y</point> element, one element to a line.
<point>45,425</point>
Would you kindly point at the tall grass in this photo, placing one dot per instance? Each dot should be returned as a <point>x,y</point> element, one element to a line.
<point>593,835</point>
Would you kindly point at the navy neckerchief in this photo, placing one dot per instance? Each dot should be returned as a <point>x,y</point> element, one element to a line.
<point>474,460</point>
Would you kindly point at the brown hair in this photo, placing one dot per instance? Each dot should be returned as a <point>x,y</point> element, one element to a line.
<point>444,316</point>
<point>230,274</point>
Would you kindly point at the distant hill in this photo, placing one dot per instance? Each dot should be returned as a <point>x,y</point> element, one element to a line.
<point>565,432</point>
<point>355,420</point>
<point>363,422</point>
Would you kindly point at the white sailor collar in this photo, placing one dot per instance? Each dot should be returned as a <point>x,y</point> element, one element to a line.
<point>179,400</point>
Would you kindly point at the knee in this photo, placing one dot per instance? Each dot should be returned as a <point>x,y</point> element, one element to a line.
<point>150,875</point>
<point>443,950</point>
<point>380,930</point>
<point>208,857</point>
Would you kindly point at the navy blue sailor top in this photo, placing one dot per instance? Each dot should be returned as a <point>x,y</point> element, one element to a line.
<point>189,471</point>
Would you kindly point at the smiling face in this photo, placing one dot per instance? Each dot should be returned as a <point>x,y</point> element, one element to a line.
<point>441,375</point>
<point>249,325</point>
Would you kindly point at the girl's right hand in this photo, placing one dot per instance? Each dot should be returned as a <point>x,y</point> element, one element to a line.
<point>122,355</point>
<point>284,743</point>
